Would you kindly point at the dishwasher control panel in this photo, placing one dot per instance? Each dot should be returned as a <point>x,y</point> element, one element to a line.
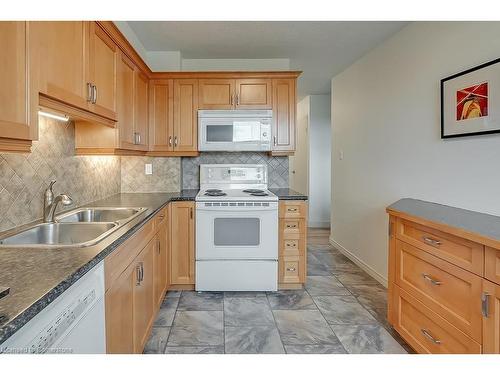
<point>53,331</point>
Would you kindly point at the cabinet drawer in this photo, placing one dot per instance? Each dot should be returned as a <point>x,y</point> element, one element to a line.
<point>291,269</point>
<point>463,253</point>
<point>450,291</point>
<point>293,247</point>
<point>293,209</point>
<point>426,331</point>
<point>492,264</point>
<point>160,218</point>
<point>292,229</point>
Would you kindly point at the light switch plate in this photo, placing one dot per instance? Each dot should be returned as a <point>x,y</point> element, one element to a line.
<point>148,168</point>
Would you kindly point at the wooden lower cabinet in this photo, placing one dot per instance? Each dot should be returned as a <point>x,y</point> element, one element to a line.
<point>292,252</point>
<point>181,216</point>
<point>134,296</point>
<point>491,321</point>
<point>119,302</point>
<point>443,284</point>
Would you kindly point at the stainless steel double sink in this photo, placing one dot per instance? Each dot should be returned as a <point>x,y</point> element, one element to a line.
<point>80,227</point>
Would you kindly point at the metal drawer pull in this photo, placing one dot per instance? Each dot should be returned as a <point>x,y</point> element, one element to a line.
<point>291,269</point>
<point>485,299</point>
<point>291,244</point>
<point>431,280</point>
<point>429,337</point>
<point>138,275</point>
<point>292,210</point>
<point>291,225</point>
<point>431,241</point>
<point>170,140</point>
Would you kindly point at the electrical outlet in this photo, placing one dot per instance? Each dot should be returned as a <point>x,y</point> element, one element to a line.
<point>148,168</point>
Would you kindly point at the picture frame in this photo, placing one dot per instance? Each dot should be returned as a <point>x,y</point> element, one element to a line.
<point>470,102</point>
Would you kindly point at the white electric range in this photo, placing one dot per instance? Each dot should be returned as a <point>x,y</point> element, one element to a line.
<point>236,229</point>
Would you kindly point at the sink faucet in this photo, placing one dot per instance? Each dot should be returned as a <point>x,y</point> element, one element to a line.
<point>50,203</point>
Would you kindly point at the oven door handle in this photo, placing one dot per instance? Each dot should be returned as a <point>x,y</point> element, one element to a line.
<point>244,210</point>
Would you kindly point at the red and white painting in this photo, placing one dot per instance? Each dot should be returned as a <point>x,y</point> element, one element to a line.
<point>472,102</point>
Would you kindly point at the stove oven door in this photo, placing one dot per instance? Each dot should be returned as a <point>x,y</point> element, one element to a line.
<point>236,230</point>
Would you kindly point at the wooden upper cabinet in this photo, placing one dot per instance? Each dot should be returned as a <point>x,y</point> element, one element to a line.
<point>141,107</point>
<point>161,93</point>
<point>103,55</point>
<point>185,115</point>
<point>245,93</point>
<point>491,318</point>
<point>125,102</point>
<point>217,93</point>
<point>284,107</point>
<point>181,243</point>
<point>18,119</point>
<point>58,51</point>
<point>253,94</point>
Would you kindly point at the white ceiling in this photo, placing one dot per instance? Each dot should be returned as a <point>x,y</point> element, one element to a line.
<point>319,49</point>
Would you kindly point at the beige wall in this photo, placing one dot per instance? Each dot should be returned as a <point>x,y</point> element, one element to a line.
<point>386,120</point>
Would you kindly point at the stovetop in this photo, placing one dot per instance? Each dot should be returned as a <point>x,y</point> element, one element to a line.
<point>247,194</point>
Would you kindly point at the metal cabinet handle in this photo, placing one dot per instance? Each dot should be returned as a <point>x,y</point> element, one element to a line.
<point>431,241</point>
<point>292,210</point>
<point>291,244</point>
<point>135,138</point>
<point>237,99</point>
<point>275,141</point>
<point>291,269</point>
<point>142,272</point>
<point>175,141</point>
<point>232,100</point>
<point>429,337</point>
<point>138,275</point>
<point>139,138</point>
<point>291,225</point>
<point>431,280</point>
<point>191,212</point>
<point>485,302</point>
<point>170,140</point>
<point>95,94</point>
<point>90,92</point>
<point>158,249</point>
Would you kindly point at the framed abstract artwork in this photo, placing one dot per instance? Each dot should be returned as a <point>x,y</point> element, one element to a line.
<point>470,102</point>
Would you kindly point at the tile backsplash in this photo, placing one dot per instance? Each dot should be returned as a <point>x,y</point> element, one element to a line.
<point>165,177</point>
<point>277,166</point>
<point>24,177</point>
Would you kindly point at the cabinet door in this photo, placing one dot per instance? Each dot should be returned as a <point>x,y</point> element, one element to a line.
<point>491,318</point>
<point>185,115</point>
<point>141,110</point>
<point>284,106</point>
<point>125,102</point>
<point>253,94</point>
<point>161,94</point>
<point>161,264</point>
<point>103,54</point>
<point>182,243</point>
<point>216,93</point>
<point>144,296</point>
<point>15,111</point>
<point>59,52</point>
<point>119,314</point>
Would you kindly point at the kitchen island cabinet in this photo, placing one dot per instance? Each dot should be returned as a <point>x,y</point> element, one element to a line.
<point>444,289</point>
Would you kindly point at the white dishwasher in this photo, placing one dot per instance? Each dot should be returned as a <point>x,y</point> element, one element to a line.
<point>73,323</point>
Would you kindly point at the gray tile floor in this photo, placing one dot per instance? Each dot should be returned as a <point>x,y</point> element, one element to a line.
<point>341,310</point>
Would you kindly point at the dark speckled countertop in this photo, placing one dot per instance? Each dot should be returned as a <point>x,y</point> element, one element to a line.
<point>288,194</point>
<point>38,276</point>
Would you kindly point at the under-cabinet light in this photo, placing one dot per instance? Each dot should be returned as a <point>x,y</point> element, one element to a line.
<point>54,116</point>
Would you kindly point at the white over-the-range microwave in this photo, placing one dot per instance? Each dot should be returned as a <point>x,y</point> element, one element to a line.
<point>234,130</point>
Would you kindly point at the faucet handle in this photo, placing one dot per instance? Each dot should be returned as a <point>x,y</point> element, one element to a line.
<point>66,200</point>
<point>52,184</point>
